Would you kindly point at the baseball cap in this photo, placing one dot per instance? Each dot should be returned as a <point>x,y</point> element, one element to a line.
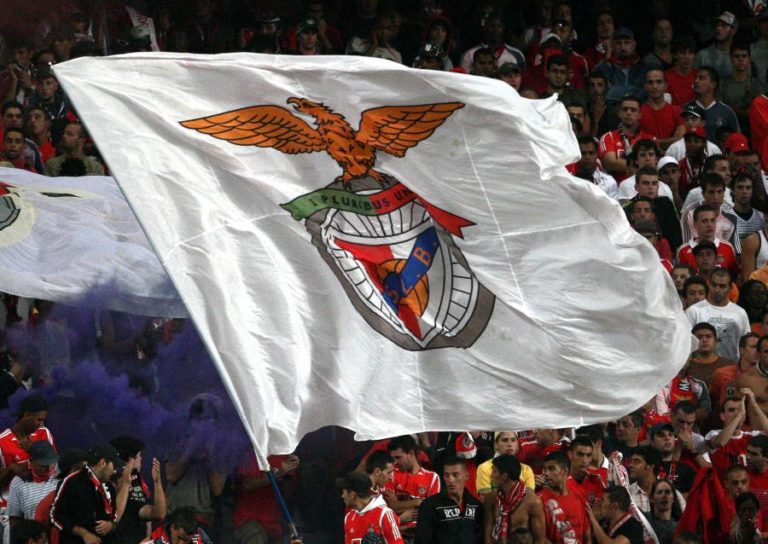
<point>646,227</point>
<point>704,244</point>
<point>623,32</point>
<point>508,68</point>
<point>550,36</point>
<point>660,427</point>
<point>465,446</point>
<point>666,161</point>
<point>41,452</point>
<point>692,109</point>
<point>696,131</point>
<point>728,18</point>
<point>358,482</point>
<point>108,452</point>
<point>736,142</point>
<point>305,25</point>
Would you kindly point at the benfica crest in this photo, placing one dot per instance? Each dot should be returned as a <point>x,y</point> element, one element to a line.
<point>393,253</point>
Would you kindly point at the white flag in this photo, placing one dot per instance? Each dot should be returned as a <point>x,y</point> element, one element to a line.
<point>63,239</point>
<point>381,248</point>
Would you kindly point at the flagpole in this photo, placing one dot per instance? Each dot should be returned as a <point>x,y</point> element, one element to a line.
<point>284,507</point>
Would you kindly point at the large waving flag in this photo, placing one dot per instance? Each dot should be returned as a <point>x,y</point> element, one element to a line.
<point>63,239</point>
<point>381,248</point>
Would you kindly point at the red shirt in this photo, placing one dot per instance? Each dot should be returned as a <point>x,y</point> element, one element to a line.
<point>10,450</point>
<point>661,123</point>
<point>592,487</point>
<point>726,256</point>
<point>734,452</point>
<point>758,484</point>
<point>532,454</point>
<point>612,142</point>
<point>259,504</point>
<point>375,518</point>
<point>421,485</point>
<point>680,86</point>
<point>566,516</point>
<point>758,121</point>
<point>47,151</point>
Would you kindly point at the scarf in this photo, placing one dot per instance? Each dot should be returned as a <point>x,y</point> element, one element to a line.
<point>505,505</point>
<point>621,521</point>
<point>104,493</point>
<point>681,389</point>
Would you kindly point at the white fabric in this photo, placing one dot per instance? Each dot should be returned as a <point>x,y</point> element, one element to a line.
<point>278,318</point>
<point>74,236</point>
<point>730,321</point>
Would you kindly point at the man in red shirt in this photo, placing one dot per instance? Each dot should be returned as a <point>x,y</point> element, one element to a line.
<point>656,116</point>
<point>411,483</point>
<point>565,512</point>
<point>583,479</point>
<point>367,515</point>
<point>16,150</point>
<point>681,76</point>
<point>38,128</point>
<point>757,467</point>
<point>546,441</point>
<point>705,220</point>
<point>616,145</point>
<point>15,441</point>
<point>729,444</point>
<point>379,467</point>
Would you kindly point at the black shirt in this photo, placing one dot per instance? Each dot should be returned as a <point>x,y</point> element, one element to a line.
<point>81,501</point>
<point>442,521</point>
<point>632,530</point>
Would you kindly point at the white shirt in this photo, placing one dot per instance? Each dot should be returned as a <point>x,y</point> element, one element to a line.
<point>696,198</point>
<point>606,183</point>
<point>627,189</point>
<point>730,321</point>
<point>677,149</point>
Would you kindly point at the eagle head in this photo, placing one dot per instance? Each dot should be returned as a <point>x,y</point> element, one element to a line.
<point>306,106</point>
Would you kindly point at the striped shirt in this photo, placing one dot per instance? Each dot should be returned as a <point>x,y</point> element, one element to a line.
<point>754,223</point>
<point>23,496</point>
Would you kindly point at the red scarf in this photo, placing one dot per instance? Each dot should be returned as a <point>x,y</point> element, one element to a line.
<point>104,492</point>
<point>681,389</point>
<point>505,505</point>
<point>621,521</point>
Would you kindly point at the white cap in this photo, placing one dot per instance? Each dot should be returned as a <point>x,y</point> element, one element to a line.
<point>665,161</point>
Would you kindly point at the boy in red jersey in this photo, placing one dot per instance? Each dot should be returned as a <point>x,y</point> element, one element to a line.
<point>368,516</point>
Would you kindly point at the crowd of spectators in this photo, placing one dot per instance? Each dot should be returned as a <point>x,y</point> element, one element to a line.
<point>667,100</point>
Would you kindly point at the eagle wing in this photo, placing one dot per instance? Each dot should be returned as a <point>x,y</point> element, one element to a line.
<point>262,126</point>
<point>396,129</point>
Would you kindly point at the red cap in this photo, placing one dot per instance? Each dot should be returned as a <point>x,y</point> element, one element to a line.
<point>736,142</point>
<point>465,446</point>
<point>697,131</point>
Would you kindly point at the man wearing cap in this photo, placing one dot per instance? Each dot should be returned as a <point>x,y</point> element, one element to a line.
<point>616,145</point>
<point>625,70</point>
<point>669,173</point>
<point>453,515</point>
<point>692,164</point>
<point>657,117</point>
<point>431,56</point>
<point>717,55</point>
<point>662,439</point>
<point>728,445</point>
<point>693,116</point>
<point>730,320</point>
<point>367,515</point>
<point>307,38</point>
<point>25,495</point>
<point>716,114</point>
<point>85,507</point>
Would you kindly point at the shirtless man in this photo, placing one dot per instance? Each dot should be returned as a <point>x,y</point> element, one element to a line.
<point>512,506</point>
<point>756,378</point>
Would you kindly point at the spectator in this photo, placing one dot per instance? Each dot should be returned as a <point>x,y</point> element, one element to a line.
<point>602,119</point>
<point>716,114</point>
<point>664,213</point>
<point>138,510</point>
<point>587,168</point>
<point>760,47</point>
<point>726,223</point>
<point>680,273</point>
<point>379,467</point>
<point>582,479</point>
<point>730,320</point>
<point>329,37</point>
<point>308,38</point>
<point>505,443</point>
<point>681,475</point>
<point>757,467</point>
<point>411,483</point>
<point>717,55</point>
<point>643,469</point>
<point>753,296</point>
<point>681,75</point>
<point>669,174</point>
<point>380,43</point>
<point>564,511</point>
<point>431,57</point>
<point>24,496</point>
<point>14,441</point>
<point>266,34</point>
<point>603,48</point>
<point>37,127</point>
<point>181,528</point>
<point>556,76</point>
<point>665,510</point>
<point>724,379</point>
<point>690,445</point>
<point>660,54</point>
<point>483,63</point>
<point>704,361</point>
<point>625,72</point>
<point>85,507</point>
<point>72,145</point>
<point>453,515</point>
<point>693,116</point>
<point>748,219</point>
<point>747,523</point>
<point>736,480</point>
<point>742,86</point>
<point>617,144</point>
<point>714,164</point>
<point>493,31</point>
<point>614,509</point>
<point>203,30</point>
<point>628,432</point>
<point>657,117</point>
<point>695,290</point>
<point>16,151</point>
<point>51,98</point>
<point>512,506</point>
